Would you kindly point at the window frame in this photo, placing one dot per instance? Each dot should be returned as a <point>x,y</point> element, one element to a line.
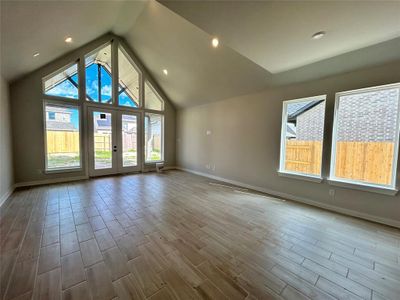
<point>154,90</point>
<point>150,162</point>
<point>62,103</point>
<point>379,188</point>
<point>282,152</point>
<point>121,48</point>
<point>61,69</point>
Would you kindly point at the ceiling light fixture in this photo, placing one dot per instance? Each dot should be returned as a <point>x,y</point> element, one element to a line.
<point>68,40</point>
<point>36,54</point>
<point>318,35</point>
<point>165,71</point>
<point>215,42</point>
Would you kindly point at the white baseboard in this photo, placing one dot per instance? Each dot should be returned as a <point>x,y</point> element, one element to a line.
<point>50,181</point>
<point>4,197</point>
<point>341,210</point>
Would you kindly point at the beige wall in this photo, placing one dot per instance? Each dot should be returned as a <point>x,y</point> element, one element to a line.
<point>28,128</point>
<point>245,140</point>
<point>6,167</point>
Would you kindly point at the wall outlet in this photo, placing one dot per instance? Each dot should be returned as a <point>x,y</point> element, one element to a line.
<point>332,192</point>
<point>208,132</point>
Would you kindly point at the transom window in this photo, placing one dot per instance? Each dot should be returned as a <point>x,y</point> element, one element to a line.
<point>365,136</point>
<point>98,75</point>
<point>152,98</point>
<point>128,89</point>
<point>302,136</point>
<point>64,83</point>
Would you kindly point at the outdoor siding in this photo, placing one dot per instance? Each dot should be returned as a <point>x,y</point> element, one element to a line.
<point>310,124</point>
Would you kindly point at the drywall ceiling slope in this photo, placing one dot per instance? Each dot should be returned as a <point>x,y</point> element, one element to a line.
<point>197,73</point>
<point>41,26</point>
<point>277,34</point>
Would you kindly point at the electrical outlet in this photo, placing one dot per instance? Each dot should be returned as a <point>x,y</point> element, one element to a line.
<point>208,132</point>
<point>332,192</point>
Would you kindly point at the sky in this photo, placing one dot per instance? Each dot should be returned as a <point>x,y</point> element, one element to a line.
<point>68,90</point>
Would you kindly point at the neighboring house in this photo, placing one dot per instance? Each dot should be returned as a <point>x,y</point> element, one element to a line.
<point>59,119</point>
<point>305,122</point>
<point>102,124</point>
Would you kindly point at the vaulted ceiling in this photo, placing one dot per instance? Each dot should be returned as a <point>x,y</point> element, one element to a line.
<point>262,44</point>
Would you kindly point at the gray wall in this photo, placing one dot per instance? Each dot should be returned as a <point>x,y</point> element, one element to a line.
<point>245,140</point>
<point>28,128</point>
<point>6,167</point>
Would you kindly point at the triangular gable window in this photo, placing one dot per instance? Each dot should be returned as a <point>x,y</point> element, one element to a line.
<point>128,91</point>
<point>64,83</point>
<point>98,75</point>
<point>152,99</point>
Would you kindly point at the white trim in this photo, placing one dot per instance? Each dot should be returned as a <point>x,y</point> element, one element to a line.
<point>49,181</point>
<point>306,177</point>
<point>6,195</point>
<point>288,196</point>
<point>354,183</point>
<point>363,186</point>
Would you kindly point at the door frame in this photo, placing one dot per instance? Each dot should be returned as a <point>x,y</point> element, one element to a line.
<point>116,141</point>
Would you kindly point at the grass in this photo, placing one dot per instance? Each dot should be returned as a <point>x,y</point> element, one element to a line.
<point>62,160</point>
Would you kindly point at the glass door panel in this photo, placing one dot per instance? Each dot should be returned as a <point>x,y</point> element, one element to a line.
<point>129,140</point>
<point>102,131</point>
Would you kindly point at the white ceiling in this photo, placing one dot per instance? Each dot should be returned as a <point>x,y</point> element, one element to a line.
<point>277,34</point>
<point>41,26</point>
<point>256,40</point>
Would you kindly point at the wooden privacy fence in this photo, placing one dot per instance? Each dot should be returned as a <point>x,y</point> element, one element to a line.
<point>68,141</point>
<point>102,142</point>
<point>303,156</point>
<point>363,161</point>
<point>62,142</point>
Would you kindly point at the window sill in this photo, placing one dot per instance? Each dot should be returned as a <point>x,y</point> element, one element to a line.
<point>153,162</point>
<point>55,171</point>
<point>364,187</point>
<point>311,178</point>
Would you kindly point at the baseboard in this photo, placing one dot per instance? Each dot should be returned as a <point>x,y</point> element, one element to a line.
<point>50,181</point>
<point>304,200</point>
<point>6,195</point>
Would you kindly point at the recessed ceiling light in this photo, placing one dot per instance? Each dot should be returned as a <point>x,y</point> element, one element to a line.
<point>215,42</point>
<point>36,54</point>
<point>68,40</point>
<point>165,71</point>
<point>318,35</point>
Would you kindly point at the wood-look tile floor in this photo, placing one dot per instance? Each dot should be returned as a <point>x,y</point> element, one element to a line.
<point>176,236</point>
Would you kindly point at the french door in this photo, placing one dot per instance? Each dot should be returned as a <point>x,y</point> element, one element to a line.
<point>114,142</point>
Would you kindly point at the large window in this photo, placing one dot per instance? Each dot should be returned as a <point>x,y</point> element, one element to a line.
<point>64,83</point>
<point>154,136</point>
<point>365,136</point>
<point>98,75</point>
<point>128,89</point>
<point>302,136</point>
<point>62,137</point>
